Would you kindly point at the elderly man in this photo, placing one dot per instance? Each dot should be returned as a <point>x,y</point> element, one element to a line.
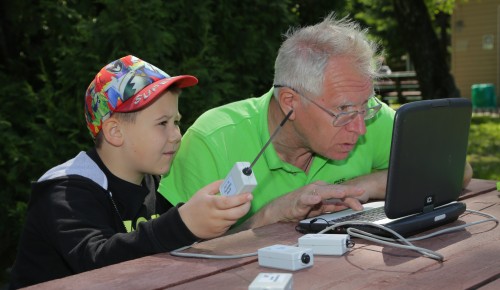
<point>335,144</point>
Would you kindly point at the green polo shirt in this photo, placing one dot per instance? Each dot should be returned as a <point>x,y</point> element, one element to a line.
<point>238,131</point>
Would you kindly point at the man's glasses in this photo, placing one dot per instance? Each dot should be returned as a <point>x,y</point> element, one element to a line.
<point>344,118</point>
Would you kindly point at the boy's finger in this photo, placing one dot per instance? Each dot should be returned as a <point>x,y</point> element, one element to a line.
<point>226,202</point>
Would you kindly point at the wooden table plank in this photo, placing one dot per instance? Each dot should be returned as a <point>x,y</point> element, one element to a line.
<point>491,285</point>
<point>477,187</point>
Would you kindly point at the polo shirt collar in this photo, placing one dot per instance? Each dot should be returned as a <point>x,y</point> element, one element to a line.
<point>270,155</point>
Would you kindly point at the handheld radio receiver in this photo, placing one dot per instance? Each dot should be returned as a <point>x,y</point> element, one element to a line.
<point>241,178</point>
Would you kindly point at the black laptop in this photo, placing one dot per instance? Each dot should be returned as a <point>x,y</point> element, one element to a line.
<point>425,174</point>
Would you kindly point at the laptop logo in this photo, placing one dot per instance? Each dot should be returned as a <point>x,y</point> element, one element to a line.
<point>429,200</point>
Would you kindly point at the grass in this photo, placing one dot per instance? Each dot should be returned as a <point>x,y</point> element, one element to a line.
<point>484,147</point>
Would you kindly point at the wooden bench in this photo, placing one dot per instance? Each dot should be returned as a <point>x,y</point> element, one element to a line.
<point>402,87</point>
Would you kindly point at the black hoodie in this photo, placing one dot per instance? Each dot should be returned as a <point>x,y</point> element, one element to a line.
<point>81,217</point>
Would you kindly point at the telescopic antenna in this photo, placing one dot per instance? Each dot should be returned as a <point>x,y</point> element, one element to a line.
<point>248,170</point>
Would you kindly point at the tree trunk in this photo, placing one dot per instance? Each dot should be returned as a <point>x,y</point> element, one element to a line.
<point>432,70</point>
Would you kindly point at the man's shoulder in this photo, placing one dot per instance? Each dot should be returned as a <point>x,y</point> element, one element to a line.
<point>387,113</point>
<point>237,114</point>
<point>384,120</point>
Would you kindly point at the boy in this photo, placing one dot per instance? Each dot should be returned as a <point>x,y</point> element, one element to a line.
<point>102,207</point>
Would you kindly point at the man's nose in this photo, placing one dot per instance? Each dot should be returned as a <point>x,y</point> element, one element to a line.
<point>357,125</point>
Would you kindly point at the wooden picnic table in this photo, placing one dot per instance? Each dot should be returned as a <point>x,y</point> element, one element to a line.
<point>472,260</point>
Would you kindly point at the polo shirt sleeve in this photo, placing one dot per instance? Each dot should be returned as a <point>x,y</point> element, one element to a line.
<point>195,165</point>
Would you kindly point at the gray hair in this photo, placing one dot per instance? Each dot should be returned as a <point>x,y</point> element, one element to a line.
<point>304,54</point>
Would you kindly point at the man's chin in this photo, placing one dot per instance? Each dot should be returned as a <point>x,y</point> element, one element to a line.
<point>340,155</point>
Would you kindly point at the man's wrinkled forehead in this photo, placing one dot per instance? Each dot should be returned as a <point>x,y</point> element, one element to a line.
<point>351,92</point>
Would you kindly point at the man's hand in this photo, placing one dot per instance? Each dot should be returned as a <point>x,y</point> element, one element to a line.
<point>311,200</point>
<point>208,215</point>
<point>319,197</point>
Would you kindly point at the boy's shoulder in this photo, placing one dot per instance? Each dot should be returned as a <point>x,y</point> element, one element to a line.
<point>77,177</point>
<point>81,165</point>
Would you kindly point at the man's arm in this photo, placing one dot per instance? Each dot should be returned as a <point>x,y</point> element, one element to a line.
<point>310,200</point>
<point>374,185</point>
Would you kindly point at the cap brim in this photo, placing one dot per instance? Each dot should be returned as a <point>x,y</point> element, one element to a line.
<point>184,81</point>
<point>149,93</point>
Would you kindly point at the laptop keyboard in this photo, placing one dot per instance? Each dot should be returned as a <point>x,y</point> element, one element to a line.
<point>370,215</point>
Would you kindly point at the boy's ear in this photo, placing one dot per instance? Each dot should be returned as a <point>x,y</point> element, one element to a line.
<point>288,99</point>
<point>112,131</point>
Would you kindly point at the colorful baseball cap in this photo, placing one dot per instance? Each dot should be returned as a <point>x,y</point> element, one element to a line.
<point>126,85</point>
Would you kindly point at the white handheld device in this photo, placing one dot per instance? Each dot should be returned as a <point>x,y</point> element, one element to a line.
<point>237,181</point>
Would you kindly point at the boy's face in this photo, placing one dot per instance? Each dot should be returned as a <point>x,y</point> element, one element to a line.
<point>153,139</point>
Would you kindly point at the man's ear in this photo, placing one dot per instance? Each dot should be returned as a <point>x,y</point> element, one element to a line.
<point>112,131</point>
<point>288,99</point>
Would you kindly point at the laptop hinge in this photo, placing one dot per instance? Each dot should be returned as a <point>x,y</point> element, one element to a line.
<point>428,208</point>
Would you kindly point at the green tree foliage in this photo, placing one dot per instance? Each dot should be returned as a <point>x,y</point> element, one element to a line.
<point>418,29</point>
<point>432,70</point>
<point>380,17</point>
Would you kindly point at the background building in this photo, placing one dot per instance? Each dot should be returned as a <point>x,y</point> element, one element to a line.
<point>475,56</point>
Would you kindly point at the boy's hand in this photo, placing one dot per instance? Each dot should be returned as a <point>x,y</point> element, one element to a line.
<point>208,215</point>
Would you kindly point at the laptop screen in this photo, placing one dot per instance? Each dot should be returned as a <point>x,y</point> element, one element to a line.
<point>428,154</point>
